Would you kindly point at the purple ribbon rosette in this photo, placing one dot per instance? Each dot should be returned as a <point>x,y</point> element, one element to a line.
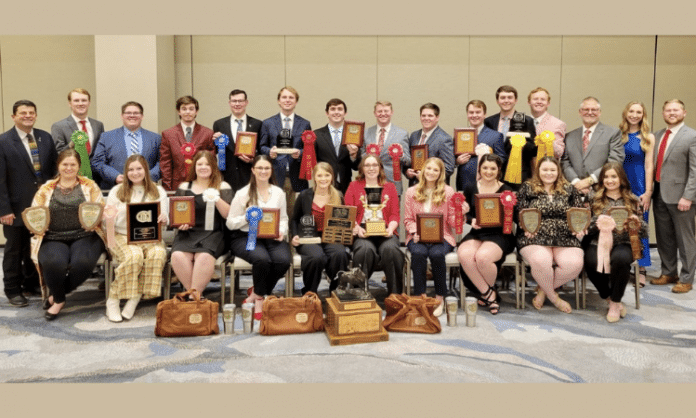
<point>253,215</point>
<point>221,144</point>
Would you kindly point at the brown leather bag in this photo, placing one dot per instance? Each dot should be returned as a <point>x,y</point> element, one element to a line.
<point>292,315</point>
<point>411,314</point>
<point>179,317</point>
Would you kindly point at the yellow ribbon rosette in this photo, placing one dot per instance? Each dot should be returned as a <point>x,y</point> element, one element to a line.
<point>513,173</point>
<point>544,143</point>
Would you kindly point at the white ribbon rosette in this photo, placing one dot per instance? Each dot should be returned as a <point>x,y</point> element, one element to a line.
<point>210,196</point>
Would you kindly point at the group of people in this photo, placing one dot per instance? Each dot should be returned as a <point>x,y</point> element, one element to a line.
<point>595,165</point>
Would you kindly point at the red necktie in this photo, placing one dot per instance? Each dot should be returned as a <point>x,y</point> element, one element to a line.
<point>585,141</point>
<point>84,128</point>
<point>661,154</point>
<point>381,139</point>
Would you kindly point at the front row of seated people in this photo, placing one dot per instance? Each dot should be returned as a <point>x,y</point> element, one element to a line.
<point>67,253</point>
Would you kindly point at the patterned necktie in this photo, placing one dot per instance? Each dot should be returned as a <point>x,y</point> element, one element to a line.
<point>84,129</point>
<point>286,123</point>
<point>661,154</point>
<point>336,140</point>
<point>34,149</point>
<point>188,134</point>
<point>381,139</point>
<point>239,126</point>
<point>422,140</point>
<point>133,143</point>
<point>585,141</point>
<point>505,127</point>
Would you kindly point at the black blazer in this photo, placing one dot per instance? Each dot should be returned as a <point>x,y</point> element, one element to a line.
<point>342,165</point>
<point>303,206</point>
<point>237,173</point>
<point>529,150</point>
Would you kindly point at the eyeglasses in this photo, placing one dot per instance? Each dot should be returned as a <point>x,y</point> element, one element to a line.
<point>237,101</point>
<point>262,168</point>
<point>586,110</point>
<point>132,113</point>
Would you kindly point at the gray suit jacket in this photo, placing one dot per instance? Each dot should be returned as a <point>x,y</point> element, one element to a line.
<point>62,130</point>
<point>396,136</point>
<point>678,173</point>
<point>605,145</point>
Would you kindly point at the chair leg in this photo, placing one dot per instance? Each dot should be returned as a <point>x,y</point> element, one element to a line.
<point>584,290</point>
<point>223,283</point>
<point>167,281</point>
<point>290,281</point>
<point>577,292</point>
<point>637,279</point>
<point>107,278</point>
<point>407,275</point>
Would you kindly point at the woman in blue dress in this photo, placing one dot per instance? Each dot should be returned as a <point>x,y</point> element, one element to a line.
<point>639,145</point>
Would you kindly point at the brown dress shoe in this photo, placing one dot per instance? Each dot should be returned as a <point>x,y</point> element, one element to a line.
<point>681,288</point>
<point>663,279</point>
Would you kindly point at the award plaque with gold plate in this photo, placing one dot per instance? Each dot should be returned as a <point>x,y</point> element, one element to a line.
<point>489,210</point>
<point>90,214</point>
<point>182,211</point>
<point>339,221</point>
<point>620,215</point>
<point>269,225</point>
<point>353,133</point>
<point>36,219</point>
<point>465,140</point>
<point>578,219</point>
<point>419,153</point>
<point>245,144</point>
<point>430,228</point>
<point>373,218</point>
<point>530,220</point>
<point>141,220</point>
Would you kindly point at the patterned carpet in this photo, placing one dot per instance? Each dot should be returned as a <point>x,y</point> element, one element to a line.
<point>653,344</point>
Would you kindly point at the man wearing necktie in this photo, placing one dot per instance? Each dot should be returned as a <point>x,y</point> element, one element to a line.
<point>342,158</point>
<point>61,131</point>
<point>172,162</point>
<point>439,142</point>
<point>674,194</point>
<point>27,160</point>
<point>115,146</point>
<point>538,100</point>
<point>237,168</point>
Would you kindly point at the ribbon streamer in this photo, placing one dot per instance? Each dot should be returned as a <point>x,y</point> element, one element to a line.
<point>309,157</point>
<point>508,200</point>
<point>606,224</point>
<point>210,197</point>
<point>458,200</point>
<point>188,150</point>
<point>396,151</point>
<point>221,144</point>
<point>544,143</point>
<point>513,173</point>
<point>80,138</point>
<point>109,214</point>
<point>253,215</point>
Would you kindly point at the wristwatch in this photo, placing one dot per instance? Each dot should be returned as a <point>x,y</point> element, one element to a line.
<point>590,180</point>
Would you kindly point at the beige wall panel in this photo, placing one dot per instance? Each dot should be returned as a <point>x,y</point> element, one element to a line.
<point>166,99</point>
<point>183,67</point>
<point>324,67</point>
<point>615,69</point>
<point>44,69</point>
<point>254,64</point>
<point>675,75</point>
<point>416,70</point>
<point>524,62</point>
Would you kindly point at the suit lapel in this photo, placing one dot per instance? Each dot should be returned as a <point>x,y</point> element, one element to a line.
<point>671,145</point>
<point>19,146</point>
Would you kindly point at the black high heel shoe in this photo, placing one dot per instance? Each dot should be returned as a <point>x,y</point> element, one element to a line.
<point>50,316</point>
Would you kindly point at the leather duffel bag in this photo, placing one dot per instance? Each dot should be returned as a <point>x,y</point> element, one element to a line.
<point>292,315</point>
<point>411,314</point>
<point>179,317</point>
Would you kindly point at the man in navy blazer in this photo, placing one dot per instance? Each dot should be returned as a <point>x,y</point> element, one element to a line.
<point>237,168</point>
<point>116,146</point>
<point>20,178</point>
<point>271,128</point>
<point>439,142</point>
<point>468,164</point>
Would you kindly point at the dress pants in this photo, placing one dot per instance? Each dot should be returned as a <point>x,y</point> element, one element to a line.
<point>369,253</point>
<point>270,260</point>
<point>672,225</point>
<point>18,268</point>
<point>419,263</point>
<point>611,284</point>
<point>319,257</point>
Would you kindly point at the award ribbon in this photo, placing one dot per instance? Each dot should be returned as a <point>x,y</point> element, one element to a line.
<point>221,144</point>
<point>79,138</point>
<point>110,219</point>
<point>544,143</point>
<point>253,215</point>
<point>509,200</point>
<point>633,225</point>
<point>309,157</point>
<point>372,149</point>
<point>210,197</point>
<point>188,150</point>
<point>606,224</point>
<point>458,200</point>
<point>395,152</point>
<point>513,173</point>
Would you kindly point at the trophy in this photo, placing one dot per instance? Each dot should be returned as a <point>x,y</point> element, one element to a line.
<point>284,143</point>
<point>517,125</point>
<point>308,231</point>
<point>373,217</point>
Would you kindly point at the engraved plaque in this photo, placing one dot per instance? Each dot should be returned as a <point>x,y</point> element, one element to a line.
<point>419,154</point>
<point>620,215</point>
<point>141,220</point>
<point>530,220</point>
<point>489,210</point>
<point>579,219</point>
<point>182,211</point>
<point>245,144</point>
<point>90,214</point>
<point>465,140</point>
<point>430,227</point>
<point>269,225</point>
<point>353,133</point>
<point>339,221</point>
<point>36,219</point>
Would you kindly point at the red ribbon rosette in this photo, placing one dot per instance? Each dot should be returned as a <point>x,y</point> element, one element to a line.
<point>395,151</point>
<point>188,150</point>
<point>508,200</point>
<point>372,149</point>
<point>458,200</point>
<point>309,156</point>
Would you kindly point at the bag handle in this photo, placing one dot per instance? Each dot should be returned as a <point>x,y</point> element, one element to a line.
<point>183,296</point>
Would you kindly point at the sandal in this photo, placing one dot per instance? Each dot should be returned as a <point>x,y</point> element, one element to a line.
<point>539,299</point>
<point>493,306</point>
<point>562,305</point>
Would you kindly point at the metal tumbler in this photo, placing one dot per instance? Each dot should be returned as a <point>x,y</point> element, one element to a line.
<point>228,316</point>
<point>248,317</point>
<point>471,308</point>
<point>452,306</point>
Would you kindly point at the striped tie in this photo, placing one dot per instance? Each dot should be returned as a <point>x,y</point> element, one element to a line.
<point>34,148</point>
<point>239,126</point>
<point>134,143</point>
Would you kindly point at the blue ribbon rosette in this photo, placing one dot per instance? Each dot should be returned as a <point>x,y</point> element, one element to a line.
<point>221,144</point>
<point>253,215</point>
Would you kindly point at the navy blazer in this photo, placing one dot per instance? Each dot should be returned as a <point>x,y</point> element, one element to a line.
<point>237,173</point>
<point>529,150</point>
<point>440,145</point>
<point>342,165</point>
<point>466,173</point>
<point>270,129</point>
<point>110,156</point>
<point>18,180</point>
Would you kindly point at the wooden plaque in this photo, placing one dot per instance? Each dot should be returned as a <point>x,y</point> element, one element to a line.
<point>245,144</point>
<point>269,225</point>
<point>141,220</point>
<point>430,227</point>
<point>36,219</point>
<point>419,153</point>
<point>620,215</point>
<point>465,141</point>
<point>353,133</point>
<point>90,214</point>
<point>579,219</point>
<point>339,221</point>
<point>530,220</point>
<point>489,210</point>
<point>182,211</point>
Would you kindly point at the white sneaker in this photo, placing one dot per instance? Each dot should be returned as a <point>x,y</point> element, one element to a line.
<point>440,309</point>
<point>113,310</point>
<point>129,309</point>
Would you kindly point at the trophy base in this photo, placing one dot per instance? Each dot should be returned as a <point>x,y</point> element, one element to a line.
<point>375,229</point>
<point>351,302</point>
<point>354,322</point>
<point>284,151</point>
<point>311,240</point>
<point>524,134</point>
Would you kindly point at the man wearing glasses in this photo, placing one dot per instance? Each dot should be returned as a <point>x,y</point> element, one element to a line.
<point>589,147</point>
<point>115,146</point>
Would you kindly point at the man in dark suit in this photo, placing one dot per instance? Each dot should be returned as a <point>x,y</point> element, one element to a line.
<point>674,196</point>
<point>439,142</point>
<point>116,146</point>
<point>61,131</point>
<point>27,160</point>
<point>342,158</point>
<point>589,147</point>
<point>237,168</point>
<point>468,164</point>
<point>172,163</point>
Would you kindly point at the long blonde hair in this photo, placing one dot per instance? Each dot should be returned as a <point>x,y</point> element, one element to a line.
<point>643,126</point>
<point>334,194</point>
<point>438,194</point>
<point>124,193</point>
<point>558,185</point>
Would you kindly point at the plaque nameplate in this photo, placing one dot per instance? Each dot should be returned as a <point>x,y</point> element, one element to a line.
<point>465,140</point>
<point>142,225</point>
<point>90,214</point>
<point>530,220</point>
<point>36,219</point>
<point>269,225</point>
<point>182,211</point>
<point>339,221</point>
<point>245,144</point>
<point>579,219</point>
<point>353,133</point>
<point>419,154</point>
<point>489,210</point>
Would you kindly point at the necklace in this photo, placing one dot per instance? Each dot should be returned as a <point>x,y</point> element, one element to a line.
<point>66,190</point>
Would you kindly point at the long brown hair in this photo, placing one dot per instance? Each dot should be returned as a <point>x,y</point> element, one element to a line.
<point>65,154</point>
<point>253,189</point>
<point>124,193</point>
<point>601,201</point>
<point>439,191</point>
<point>381,177</point>
<point>334,194</point>
<point>558,185</point>
<point>215,176</point>
<point>643,126</point>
